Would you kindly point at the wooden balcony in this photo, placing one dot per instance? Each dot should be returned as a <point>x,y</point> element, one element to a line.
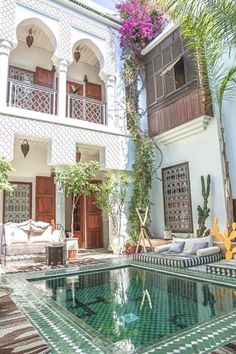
<point>176,109</point>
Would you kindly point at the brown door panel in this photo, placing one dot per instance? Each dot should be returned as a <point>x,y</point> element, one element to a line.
<point>45,199</point>
<point>94,235</point>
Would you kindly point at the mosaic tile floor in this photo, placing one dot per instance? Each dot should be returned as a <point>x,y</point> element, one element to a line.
<point>66,334</point>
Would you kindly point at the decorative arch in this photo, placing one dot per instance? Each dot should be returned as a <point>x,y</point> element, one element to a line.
<point>90,44</point>
<point>43,26</point>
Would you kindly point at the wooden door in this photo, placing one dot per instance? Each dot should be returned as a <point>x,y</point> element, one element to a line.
<point>45,199</point>
<point>93,225</point>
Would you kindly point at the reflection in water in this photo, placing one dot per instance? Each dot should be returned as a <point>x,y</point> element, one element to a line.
<point>133,307</point>
<point>209,299</point>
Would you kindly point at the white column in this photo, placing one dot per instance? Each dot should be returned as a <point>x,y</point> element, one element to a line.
<point>60,206</point>
<point>110,95</point>
<point>5,48</point>
<point>62,72</point>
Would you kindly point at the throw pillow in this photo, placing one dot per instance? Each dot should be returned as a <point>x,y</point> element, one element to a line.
<point>46,236</point>
<point>176,247</point>
<point>198,246</point>
<point>25,226</point>
<point>39,226</point>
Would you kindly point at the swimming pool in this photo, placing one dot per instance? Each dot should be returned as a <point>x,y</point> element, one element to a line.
<point>135,308</point>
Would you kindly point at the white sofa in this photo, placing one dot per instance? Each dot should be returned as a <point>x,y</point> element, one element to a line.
<point>27,238</point>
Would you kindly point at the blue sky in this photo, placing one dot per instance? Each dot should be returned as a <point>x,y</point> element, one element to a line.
<point>110,4</point>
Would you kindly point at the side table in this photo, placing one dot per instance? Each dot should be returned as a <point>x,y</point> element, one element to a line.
<point>55,254</point>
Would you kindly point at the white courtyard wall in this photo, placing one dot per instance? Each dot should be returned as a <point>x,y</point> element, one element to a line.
<point>201,151</point>
<point>28,58</point>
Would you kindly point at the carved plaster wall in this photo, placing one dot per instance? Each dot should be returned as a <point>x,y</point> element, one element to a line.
<point>67,20</point>
<point>63,140</point>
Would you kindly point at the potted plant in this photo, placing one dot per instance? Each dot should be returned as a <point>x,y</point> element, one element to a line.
<point>111,197</point>
<point>5,170</point>
<point>72,250</point>
<point>131,243</point>
<point>77,180</point>
<point>167,232</point>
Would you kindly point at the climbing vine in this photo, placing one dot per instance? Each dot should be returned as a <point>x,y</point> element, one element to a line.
<point>142,21</point>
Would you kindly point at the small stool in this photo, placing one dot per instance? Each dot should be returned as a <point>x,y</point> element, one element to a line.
<point>55,254</point>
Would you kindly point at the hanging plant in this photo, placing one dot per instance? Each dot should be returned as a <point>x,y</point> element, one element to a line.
<point>142,21</point>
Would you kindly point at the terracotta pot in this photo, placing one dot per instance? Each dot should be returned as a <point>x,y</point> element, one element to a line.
<point>72,255</point>
<point>130,249</point>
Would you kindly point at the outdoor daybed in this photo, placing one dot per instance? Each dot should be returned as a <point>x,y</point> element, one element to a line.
<point>29,238</point>
<point>183,253</point>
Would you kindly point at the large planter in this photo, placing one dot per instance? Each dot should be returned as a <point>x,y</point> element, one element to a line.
<point>72,255</point>
<point>130,249</point>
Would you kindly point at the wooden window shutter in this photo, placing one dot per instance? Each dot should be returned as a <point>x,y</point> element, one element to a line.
<point>94,91</point>
<point>74,87</point>
<point>159,86</point>
<point>150,90</point>
<point>44,77</point>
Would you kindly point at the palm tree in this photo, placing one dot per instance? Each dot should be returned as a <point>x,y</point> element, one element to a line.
<point>209,30</point>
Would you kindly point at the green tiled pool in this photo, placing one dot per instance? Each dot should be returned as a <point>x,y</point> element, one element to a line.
<point>135,308</point>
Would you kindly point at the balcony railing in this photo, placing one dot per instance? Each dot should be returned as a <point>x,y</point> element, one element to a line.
<point>82,108</point>
<point>32,97</point>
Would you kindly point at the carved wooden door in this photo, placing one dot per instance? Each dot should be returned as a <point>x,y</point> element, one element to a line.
<point>45,199</point>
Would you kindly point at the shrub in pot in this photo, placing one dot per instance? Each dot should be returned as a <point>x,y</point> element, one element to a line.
<point>131,243</point>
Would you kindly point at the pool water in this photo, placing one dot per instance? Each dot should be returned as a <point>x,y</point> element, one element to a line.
<point>135,308</point>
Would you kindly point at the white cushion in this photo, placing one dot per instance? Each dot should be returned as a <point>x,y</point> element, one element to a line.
<point>208,251</point>
<point>162,248</point>
<point>190,241</point>
<point>45,236</point>
<point>14,235</point>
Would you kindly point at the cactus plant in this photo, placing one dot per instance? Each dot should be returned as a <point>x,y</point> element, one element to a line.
<point>226,237</point>
<point>203,212</point>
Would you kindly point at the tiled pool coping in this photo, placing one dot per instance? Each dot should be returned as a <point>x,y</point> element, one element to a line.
<point>66,333</point>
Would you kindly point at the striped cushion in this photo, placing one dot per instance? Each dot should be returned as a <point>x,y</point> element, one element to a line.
<point>176,260</point>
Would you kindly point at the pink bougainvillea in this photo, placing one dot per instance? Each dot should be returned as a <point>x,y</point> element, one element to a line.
<point>142,21</point>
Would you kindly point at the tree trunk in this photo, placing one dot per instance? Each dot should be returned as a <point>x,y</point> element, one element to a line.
<point>227,180</point>
<point>72,215</point>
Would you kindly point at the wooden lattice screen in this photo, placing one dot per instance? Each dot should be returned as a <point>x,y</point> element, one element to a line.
<point>18,205</point>
<point>177,198</point>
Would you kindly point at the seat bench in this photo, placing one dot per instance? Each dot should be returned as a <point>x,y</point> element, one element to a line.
<point>179,261</point>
